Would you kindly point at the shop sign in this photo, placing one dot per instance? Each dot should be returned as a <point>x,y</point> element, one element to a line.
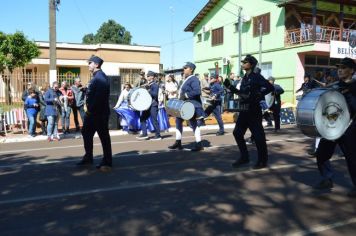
<point>340,49</point>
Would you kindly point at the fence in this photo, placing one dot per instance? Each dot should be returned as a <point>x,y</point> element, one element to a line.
<point>12,85</point>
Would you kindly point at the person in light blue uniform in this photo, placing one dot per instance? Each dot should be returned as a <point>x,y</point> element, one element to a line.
<point>190,90</point>
<point>215,93</point>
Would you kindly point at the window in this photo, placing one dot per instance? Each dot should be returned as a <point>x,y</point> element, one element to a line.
<point>265,20</point>
<point>217,36</point>
<point>199,38</point>
<point>129,75</point>
<point>266,69</point>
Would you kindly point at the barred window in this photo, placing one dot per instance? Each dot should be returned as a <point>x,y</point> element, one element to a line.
<point>217,36</point>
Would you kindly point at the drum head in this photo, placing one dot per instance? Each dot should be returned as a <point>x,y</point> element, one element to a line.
<point>140,99</point>
<point>331,115</point>
<point>187,111</point>
<point>269,98</point>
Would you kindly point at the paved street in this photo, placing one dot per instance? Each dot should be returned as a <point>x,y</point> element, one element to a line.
<point>154,191</point>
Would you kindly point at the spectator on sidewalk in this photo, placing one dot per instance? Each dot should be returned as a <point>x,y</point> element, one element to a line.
<point>43,117</point>
<point>79,100</point>
<point>67,102</point>
<point>32,106</point>
<point>52,111</point>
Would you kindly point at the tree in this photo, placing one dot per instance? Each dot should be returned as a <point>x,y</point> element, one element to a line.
<point>16,51</point>
<point>109,32</point>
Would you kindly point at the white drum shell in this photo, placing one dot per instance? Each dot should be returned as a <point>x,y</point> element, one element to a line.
<point>139,99</point>
<point>311,120</point>
<point>181,109</point>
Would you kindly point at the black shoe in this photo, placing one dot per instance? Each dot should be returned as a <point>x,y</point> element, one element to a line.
<point>250,141</point>
<point>241,161</point>
<point>103,167</point>
<point>324,184</point>
<point>77,129</point>
<point>157,137</point>
<point>198,147</point>
<point>220,133</point>
<point>85,162</point>
<point>142,137</point>
<point>259,165</point>
<point>312,153</point>
<point>176,145</point>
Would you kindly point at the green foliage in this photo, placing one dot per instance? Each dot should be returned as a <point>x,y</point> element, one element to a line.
<point>109,32</point>
<point>16,51</point>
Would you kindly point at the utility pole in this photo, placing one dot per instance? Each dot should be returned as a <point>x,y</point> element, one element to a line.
<point>260,51</point>
<point>239,22</point>
<point>172,39</point>
<point>52,40</point>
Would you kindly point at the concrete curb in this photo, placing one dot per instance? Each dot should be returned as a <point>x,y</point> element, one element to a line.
<point>25,138</point>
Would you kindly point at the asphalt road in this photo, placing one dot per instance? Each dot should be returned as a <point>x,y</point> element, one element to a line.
<point>154,191</point>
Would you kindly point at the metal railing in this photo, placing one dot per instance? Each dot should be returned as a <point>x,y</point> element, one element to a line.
<point>324,34</point>
<point>13,84</point>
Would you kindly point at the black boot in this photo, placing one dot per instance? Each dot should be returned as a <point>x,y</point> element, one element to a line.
<point>176,145</point>
<point>198,147</point>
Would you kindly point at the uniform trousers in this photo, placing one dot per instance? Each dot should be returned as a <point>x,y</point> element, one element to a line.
<point>97,123</point>
<point>153,112</point>
<point>216,110</point>
<point>251,119</point>
<point>347,143</point>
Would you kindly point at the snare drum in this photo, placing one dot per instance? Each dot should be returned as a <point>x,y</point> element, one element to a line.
<point>323,113</point>
<point>139,99</point>
<point>181,109</point>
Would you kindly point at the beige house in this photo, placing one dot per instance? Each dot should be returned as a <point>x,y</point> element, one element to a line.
<point>123,60</point>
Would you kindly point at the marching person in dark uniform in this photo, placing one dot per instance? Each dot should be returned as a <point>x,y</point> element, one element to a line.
<point>153,89</point>
<point>190,90</point>
<point>347,141</point>
<point>253,89</point>
<point>97,116</point>
<point>215,91</point>
<point>276,106</point>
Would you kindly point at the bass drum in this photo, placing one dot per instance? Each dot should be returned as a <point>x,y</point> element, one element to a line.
<point>323,113</point>
<point>181,109</point>
<point>139,99</point>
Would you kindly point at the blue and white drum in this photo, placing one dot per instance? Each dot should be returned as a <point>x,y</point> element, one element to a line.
<point>139,99</point>
<point>181,109</point>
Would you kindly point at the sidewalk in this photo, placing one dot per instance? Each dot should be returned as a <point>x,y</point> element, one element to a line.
<point>13,138</point>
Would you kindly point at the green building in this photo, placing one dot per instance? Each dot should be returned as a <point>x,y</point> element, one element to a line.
<point>289,38</point>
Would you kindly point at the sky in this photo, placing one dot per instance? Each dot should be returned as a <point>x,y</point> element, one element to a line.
<point>150,22</point>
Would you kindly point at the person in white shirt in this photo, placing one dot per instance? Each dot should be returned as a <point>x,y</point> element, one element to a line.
<point>171,87</point>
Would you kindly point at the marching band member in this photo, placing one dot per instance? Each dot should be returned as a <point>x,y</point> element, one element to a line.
<point>215,91</point>
<point>129,119</point>
<point>253,89</point>
<point>190,90</point>
<point>97,116</point>
<point>347,141</point>
<point>153,89</point>
<point>276,106</point>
